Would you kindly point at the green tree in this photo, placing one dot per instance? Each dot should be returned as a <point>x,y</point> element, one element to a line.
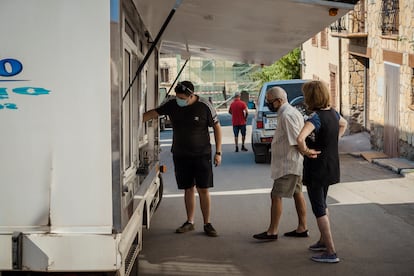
<point>288,67</point>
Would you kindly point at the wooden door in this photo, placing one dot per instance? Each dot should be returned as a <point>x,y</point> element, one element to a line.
<point>391,112</point>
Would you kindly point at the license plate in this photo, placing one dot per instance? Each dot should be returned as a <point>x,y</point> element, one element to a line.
<point>270,122</point>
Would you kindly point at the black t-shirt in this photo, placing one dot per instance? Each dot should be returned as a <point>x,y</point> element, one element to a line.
<point>190,124</point>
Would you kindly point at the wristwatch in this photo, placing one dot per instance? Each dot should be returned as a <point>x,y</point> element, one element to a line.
<point>218,152</point>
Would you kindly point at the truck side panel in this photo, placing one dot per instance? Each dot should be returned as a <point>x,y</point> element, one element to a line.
<point>56,144</point>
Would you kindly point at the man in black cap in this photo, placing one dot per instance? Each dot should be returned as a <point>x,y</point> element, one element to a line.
<point>191,116</point>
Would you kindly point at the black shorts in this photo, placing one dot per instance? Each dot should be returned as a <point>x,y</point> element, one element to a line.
<point>194,170</point>
<point>317,196</point>
<point>241,128</point>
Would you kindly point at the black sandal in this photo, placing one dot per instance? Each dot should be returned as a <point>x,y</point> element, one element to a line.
<point>265,236</point>
<point>295,234</point>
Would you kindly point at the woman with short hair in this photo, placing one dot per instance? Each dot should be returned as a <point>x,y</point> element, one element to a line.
<point>318,142</point>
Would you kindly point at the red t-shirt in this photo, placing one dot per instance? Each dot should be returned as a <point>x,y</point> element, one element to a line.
<point>237,115</point>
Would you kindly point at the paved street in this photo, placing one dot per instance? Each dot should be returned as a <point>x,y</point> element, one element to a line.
<point>372,216</point>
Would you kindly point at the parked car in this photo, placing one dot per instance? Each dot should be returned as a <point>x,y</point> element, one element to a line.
<point>264,121</point>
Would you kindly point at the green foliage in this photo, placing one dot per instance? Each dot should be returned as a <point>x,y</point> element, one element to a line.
<point>286,68</point>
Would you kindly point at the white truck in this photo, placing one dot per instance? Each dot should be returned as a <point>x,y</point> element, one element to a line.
<point>80,174</point>
<point>79,171</point>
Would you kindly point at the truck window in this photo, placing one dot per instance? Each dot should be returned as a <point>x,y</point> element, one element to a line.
<point>126,111</point>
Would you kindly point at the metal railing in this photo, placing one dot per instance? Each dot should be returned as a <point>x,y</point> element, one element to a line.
<point>353,22</point>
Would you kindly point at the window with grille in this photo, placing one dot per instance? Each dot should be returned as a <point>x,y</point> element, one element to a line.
<point>315,41</point>
<point>332,89</point>
<point>357,18</point>
<point>390,13</point>
<point>165,74</point>
<point>324,38</point>
<point>339,25</point>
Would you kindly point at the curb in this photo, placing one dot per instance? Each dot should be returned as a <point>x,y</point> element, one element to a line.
<point>400,166</point>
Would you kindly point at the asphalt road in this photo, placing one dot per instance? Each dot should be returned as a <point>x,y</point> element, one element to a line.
<point>372,217</point>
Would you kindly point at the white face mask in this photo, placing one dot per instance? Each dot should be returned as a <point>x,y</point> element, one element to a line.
<point>181,102</point>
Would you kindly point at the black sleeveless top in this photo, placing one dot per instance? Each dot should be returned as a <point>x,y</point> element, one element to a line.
<point>324,170</point>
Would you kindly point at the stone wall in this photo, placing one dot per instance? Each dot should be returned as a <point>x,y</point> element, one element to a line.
<point>357,76</point>
<point>400,44</point>
<point>363,51</point>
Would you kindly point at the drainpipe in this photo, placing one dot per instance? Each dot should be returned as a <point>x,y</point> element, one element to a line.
<point>153,45</point>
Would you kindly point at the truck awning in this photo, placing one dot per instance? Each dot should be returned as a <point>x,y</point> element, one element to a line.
<point>249,31</point>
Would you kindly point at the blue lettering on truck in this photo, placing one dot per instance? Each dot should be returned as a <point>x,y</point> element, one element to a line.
<point>10,67</point>
<point>15,67</point>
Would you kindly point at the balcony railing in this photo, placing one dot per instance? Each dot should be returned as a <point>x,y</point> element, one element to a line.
<point>340,25</point>
<point>353,22</point>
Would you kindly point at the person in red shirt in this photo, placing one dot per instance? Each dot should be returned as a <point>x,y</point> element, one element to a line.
<point>239,112</point>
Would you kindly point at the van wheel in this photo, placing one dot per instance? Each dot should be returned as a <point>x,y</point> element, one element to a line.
<point>260,158</point>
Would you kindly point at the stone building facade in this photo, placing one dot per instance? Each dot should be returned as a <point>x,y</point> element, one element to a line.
<point>367,59</point>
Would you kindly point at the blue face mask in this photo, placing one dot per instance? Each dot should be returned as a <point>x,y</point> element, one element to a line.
<point>181,102</point>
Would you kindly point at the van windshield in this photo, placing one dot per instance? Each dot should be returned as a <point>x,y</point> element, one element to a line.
<point>293,90</point>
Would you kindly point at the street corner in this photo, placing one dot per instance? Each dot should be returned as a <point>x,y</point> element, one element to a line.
<point>399,165</point>
<point>408,173</point>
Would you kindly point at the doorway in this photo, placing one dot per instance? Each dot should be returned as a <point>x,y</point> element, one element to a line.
<point>391,112</point>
